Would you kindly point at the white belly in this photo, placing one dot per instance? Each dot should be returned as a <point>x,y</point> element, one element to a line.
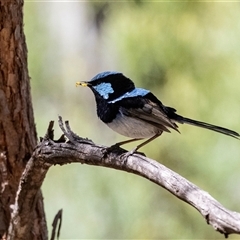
<point>132,127</point>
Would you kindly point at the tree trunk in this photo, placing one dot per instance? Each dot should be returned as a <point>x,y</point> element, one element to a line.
<point>17,130</point>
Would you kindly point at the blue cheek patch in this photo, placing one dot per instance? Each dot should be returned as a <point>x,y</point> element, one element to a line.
<point>137,92</point>
<point>104,89</point>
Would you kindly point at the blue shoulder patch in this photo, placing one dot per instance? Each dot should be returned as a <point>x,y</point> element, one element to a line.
<point>137,92</point>
<point>104,89</point>
<point>103,74</point>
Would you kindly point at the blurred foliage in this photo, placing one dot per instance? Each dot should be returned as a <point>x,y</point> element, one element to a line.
<point>188,54</point>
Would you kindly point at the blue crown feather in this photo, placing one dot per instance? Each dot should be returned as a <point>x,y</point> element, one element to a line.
<point>104,74</point>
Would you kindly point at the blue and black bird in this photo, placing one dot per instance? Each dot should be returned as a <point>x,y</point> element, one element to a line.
<point>136,112</point>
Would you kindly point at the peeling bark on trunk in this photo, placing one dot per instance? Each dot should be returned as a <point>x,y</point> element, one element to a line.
<point>17,130</point>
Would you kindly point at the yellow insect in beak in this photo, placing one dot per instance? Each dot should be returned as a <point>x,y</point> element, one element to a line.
<point>83,84</point>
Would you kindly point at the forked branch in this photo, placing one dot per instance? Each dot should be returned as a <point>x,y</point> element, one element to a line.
<point>49,152</point>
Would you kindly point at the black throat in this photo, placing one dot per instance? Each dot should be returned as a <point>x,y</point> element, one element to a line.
<point>105,111</point>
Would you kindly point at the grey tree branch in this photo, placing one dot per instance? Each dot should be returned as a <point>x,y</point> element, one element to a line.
<point>49,152</point>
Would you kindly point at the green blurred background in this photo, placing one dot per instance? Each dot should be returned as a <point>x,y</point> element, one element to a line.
<point>188,55</point>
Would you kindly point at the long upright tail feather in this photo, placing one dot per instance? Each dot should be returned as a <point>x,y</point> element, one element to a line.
<point>222,130</point>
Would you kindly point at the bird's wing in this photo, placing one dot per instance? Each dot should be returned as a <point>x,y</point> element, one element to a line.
<point>152,113</point>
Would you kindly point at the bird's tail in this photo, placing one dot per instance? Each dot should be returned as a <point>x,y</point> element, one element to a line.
<point>222,130</point>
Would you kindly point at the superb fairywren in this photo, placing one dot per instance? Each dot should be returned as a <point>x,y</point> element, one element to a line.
<point>136,112</point>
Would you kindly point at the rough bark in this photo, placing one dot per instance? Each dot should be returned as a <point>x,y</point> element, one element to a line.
<point>84,151</point>
<point>17,130</point>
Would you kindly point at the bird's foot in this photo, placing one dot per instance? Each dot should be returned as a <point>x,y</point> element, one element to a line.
<point>117,149</point>
<point>126,155</point>
<point>113,148</point>
<point>130,153</point>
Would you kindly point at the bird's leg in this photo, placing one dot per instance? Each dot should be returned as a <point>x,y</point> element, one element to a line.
<point>136,148</point>
<point>125,142</point>
<point>143,144</point>
<point>117,145</point>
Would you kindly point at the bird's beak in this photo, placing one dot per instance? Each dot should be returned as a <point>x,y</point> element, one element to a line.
<point>83,84</point>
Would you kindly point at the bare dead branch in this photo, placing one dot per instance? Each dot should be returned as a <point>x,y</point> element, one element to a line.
<point>84,151</point>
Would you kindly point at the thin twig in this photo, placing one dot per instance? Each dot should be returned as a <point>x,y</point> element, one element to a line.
<point>57,219</point>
